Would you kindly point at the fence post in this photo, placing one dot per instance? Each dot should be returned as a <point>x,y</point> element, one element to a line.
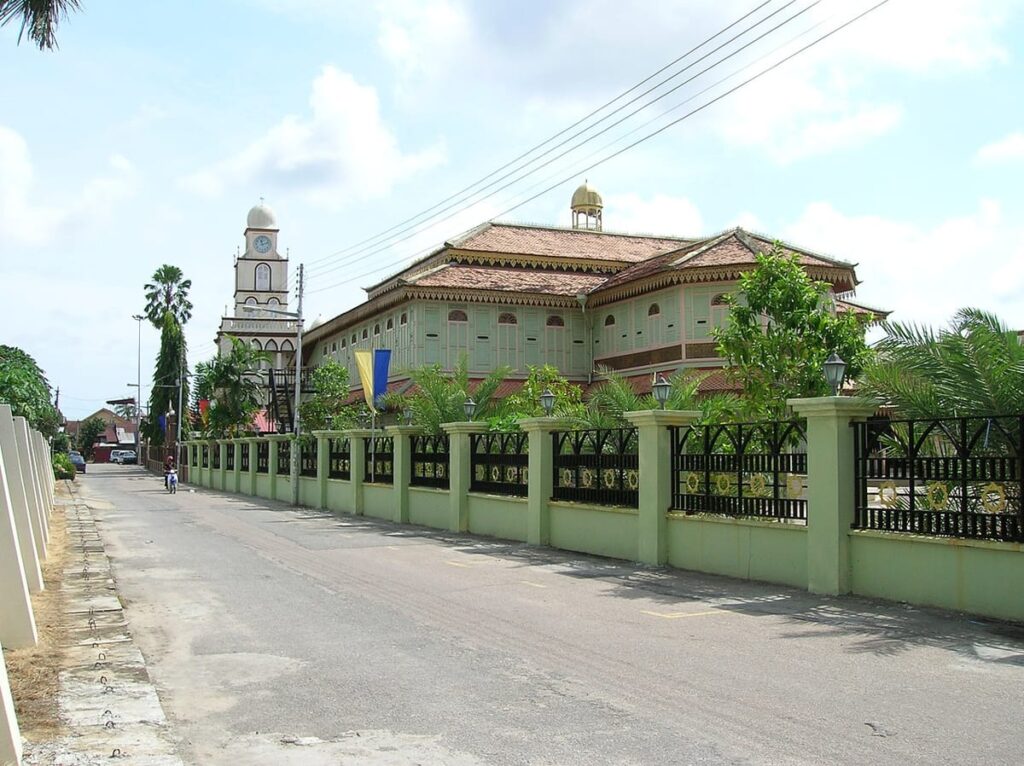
<point>323,464</point>
<point>29,478</point>
<point>830,487</point>
<point>357,466</point>
<point>17,623</point>
<point>401,462</point>
<point>460,471</point>
<point>654,445</point>
<point>541,478</point>
<point>249,482</point>
<point>20,504</point>
<point>10,735</point>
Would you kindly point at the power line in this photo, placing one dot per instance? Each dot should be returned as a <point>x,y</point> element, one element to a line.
<point>662,129</point>
<point>418,229</point>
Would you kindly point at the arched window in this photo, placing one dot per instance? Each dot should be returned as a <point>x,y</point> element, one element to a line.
<point>507,318</point>
<point>404,319</point>
<point>262,277</point>
<point>365,333</point>
<point>654,310</point>
<point>376,329</point>
<point>555,321</point>
<point>609,321</point>
<point>257,345</point>
<point>334,348</point>
<point>323,352</point>
<point>287,346</point>
<point>343,343</point>
<point>353,339</point>
<point>250,301</point>
<point>719,300</point>
<point>390,325</point>
<point>457,315</point>
<point>271,345</point>
<point>274,303</point>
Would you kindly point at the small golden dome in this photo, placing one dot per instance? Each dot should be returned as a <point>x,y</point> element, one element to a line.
<point>586,199</point>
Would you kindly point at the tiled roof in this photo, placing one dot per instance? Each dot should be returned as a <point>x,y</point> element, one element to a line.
<point>713,380</point>
<point>564,243</point>
<point>876,315</point>
<point>509,278</point>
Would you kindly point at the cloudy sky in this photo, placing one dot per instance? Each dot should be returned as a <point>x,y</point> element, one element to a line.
<point>897,143</point>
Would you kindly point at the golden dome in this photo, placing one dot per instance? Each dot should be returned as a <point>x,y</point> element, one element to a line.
<point>586,199</point>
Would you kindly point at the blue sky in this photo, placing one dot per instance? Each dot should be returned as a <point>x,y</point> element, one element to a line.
<point>897,144</point>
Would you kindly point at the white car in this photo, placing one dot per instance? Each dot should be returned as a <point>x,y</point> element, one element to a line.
<point>123,456</point>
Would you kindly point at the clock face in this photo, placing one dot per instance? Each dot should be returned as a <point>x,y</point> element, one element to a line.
<point>262,243</point>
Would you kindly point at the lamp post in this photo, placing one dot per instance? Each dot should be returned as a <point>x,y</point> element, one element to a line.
<point>296,428</point>
<point>661,389</point>
<point>547,402</point>
<point>835,371</point>
<point>138,388</point>
<point>469,407</point>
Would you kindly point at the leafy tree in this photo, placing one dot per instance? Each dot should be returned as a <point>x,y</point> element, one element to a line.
<point>24,386</point>
<point>168,293</point>
<point>39,18</point>
<point>525,403</point>
<point>326,408</point>
<point>88,430</point>
<point>170,368</point>
<point>232,383</point>
<point>60,443</point>
<point>781,329</point>
<point>439,396</point>
<point>973,367</point>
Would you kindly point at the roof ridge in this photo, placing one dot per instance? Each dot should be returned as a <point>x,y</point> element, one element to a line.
<point>605,233</point>
<point>704,246</point>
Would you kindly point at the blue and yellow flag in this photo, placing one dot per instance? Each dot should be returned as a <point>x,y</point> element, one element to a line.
<point>373,374</point>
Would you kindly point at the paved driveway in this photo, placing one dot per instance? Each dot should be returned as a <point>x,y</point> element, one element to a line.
<point>279,635</point>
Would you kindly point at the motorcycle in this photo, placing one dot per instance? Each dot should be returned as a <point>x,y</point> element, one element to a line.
<point>171,481</point>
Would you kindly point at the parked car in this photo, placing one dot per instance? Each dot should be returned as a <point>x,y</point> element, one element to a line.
<point>77,460</point>
<point>128,457</point>
<point>115,455</point>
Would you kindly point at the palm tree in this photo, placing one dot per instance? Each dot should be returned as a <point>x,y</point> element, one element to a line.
<point>39,18</point>
<point>168,292</point>
<point>975,367</point>
<point>231,382</point>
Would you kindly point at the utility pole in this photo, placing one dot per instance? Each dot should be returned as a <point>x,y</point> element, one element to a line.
<point>138,390</point>
<point>296,447</point>
<point>181,391</point>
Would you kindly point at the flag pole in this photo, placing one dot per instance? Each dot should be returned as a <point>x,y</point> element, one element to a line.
<point>373,447</point>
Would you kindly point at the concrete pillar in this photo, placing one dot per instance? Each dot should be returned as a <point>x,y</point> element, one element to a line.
<point>402,468</point>
<point>460,471</point>
<point>10,735</point>
<point>654,444</point>
<point>274,440</point>
<point>541,478</point>
<point>357,454</point>
<point>45,474</point>
<point>28,478</point>
<point>37,481</point>
<point>17,623</point>
<point>830,487</point>
<point>20,504</point>
<point>222,472</point>
<point>249,480</point>
<point>323,464</point>
<point>234,475</point>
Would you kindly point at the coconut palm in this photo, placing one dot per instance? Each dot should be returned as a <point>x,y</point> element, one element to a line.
<point>231,382</point>
<point>973,367</point>
<point>168,292</point>
<point>39,18</point>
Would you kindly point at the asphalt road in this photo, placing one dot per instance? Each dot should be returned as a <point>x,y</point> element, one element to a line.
<point>287,636</point>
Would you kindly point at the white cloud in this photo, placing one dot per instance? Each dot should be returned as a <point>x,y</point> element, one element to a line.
<point>28,222</point>
<point>923,273</point>
<point>342,151</point>
<point>659,214</point>
<point>1007,149</point>
<point>421,37</point>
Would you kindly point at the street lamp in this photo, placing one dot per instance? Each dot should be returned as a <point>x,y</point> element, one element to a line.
<point>469,407</point>
<point>297,316</point>
<point>547,402</point>
<point>138,387</point>
<point>661,389</point>
<point>835,371</point>
<point>407,415</point>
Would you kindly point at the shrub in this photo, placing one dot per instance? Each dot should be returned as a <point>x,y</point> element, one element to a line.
<point>63,468</point>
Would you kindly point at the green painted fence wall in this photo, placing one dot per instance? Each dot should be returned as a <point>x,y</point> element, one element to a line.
<point>309,491</point>
<point>338,494</point>
<point>497,516</point>
<point>263,485</point>
<point>603,531</point>
<point>379,501</point>
<point>429,507</point>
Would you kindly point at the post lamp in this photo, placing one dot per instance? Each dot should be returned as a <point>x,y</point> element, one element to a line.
<point>835,371</point>
<point>407,415</point>
<point>661,389</point>
<point>547,402</point>
<point>469,407</point>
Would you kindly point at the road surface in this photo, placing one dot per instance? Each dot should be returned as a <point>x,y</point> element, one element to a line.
<point>278,635</point>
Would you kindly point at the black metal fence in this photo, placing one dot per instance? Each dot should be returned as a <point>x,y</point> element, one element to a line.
<point>206,455</point>
<point>262,457</point>
<point>229,457</point>
<point>195,454</point>
<point>954,477</point>
<point>379,464</point>
<point>308,457</point>
<point>339,460</point>
<point>284,458</point>
<point>430,461</point>
<point>499,463</point>
<point>597,466</point>
<point>741,469</point>
<point>244,459</point>
<point>215,458</point>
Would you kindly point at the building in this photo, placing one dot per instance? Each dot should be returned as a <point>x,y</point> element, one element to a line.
<point>578,298</point>
<point>119,433</point>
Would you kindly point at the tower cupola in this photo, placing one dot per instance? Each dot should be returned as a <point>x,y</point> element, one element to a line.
<point>587,206</point>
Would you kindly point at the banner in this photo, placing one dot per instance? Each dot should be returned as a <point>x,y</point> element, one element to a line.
<point>373,374</point>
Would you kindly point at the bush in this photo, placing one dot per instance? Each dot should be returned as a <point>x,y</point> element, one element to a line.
<point>63,468</point>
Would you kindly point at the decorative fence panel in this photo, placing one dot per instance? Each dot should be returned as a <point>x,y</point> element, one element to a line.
<point>206,455</point>
<point>741,469</point>
<point>380,453</point>
<point>339,460</point>
<point>229,457</point>
<point>308,457</point>
<point>284,458</point>
<point>244,459</point>
<point>195,455</point>
<point>430,461</point>
<point>262,457</point>
<point>954,477</point>
<point>215,458</point>
<point>499,463</point>
<point>597,466</point>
